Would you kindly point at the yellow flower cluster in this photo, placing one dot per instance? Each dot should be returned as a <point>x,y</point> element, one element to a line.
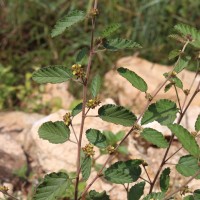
<point>3,188</point>
<point>89,149</point>
<point>110,149</point>
<point>93,103</point>
<point>67,119</point>
<point>78,71</point>
<point>148,97</point>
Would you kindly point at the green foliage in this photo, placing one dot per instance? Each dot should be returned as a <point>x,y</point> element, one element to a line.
<point>52,187</point>
<point>54,132</point>
<point>21,172</point>
<point>110,29</point>
<point>81,55</point>
<point>163,111</point>
<point>136,191</point>
<point>174,53</point>
<point>164,179</point>
<point>123,172</point>
<point>190,33</point>
<point>96,138</point>
<point>153,195</point>
<point>52,74</point>
<point>95,86</point>
<point>86,166</point>
<point>93,195</point>
<point>186,139</point>
<point>174,80</point>
<point>120,44</point>
<point>133,78</point>
<point>197,123</point>
<point>77,109</point>
<point>155,137</point>
<point>188,166</point>
<point>182,64</point>
<point>72,18</point>
<point>117,115</point>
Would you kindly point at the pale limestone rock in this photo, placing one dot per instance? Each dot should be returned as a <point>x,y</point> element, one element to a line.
<point>58,92</point>
<point>12,157</point>
<point>120,89</point>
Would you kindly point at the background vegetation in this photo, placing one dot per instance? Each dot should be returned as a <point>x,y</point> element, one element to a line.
<point>25,42</point>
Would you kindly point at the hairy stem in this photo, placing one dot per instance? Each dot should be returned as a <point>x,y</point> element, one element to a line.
<point>85,88</point>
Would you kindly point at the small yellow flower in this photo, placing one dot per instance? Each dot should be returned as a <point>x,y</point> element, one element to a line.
<point>93,103</point>
<point>89,150</point>
<point>4,188</point>
<point>148,97</point>
<point>110,149</point>
<point>67,118</point>
<point>78,71</point>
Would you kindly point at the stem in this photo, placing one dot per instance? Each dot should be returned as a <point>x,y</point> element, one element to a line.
<point>74,133</point>
<point>147,173</point>
<point>177,96</point>
<point>171,140</point>
<point>183,186</point>
<point>85,88</point>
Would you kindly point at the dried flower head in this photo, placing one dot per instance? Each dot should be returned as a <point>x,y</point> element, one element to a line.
<point>89,150</point>
<point>67,118</point>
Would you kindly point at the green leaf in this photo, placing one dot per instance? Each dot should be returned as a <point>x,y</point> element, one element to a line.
<point>110,137</point>
<point>197,123</point>
<point>182,64</point>
<point>174,53</point>
<point>123,172</point>
<point>52,74</point>
<point>119,44</point>
<point>77,109</point>
<point>81,55</point>
<point>174,80</point>
<point>156,196</point>
<point>168,87</point>
<point>197,194</point>
<point>54,132</point>
<point>133,78</point>
<point>110,29</point>
<point>98,196</point>
<point>186,139</point>
<point>72,18</point>
<point>163,111</point>
<point>155,137</point>
<point>188,166</point>
<point>189,197</point>
<point>164,180</point>
<point>96,137</point>
<point>86,166</point>
<point>136,191</point>
<point>189,31</point>
<point>53,186</point>
<point>117,115</point>
<point>95,85</point>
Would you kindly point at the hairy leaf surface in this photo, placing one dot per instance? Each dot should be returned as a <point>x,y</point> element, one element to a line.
<point>53,186</point>
<point>96,138</point>
<point>123,172</point>
<point>155,137</point>
<point>164,180</point>
<point>136,191</point>
<point>117,115</point>
<point>52,74</point>
<point>54,132</point>
<point>186,139</point>
<point>119,44</point>
<point>67,21</point>
<point>133,78</point>
<point>163,111</point>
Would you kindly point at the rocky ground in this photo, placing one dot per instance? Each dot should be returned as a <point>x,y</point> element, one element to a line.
<point>22,149</point>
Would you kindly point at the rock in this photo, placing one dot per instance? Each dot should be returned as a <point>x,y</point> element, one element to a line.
<point>17,125</point>
<point>124,93</point>
<point>12,157</point>
<point>57,95</point>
